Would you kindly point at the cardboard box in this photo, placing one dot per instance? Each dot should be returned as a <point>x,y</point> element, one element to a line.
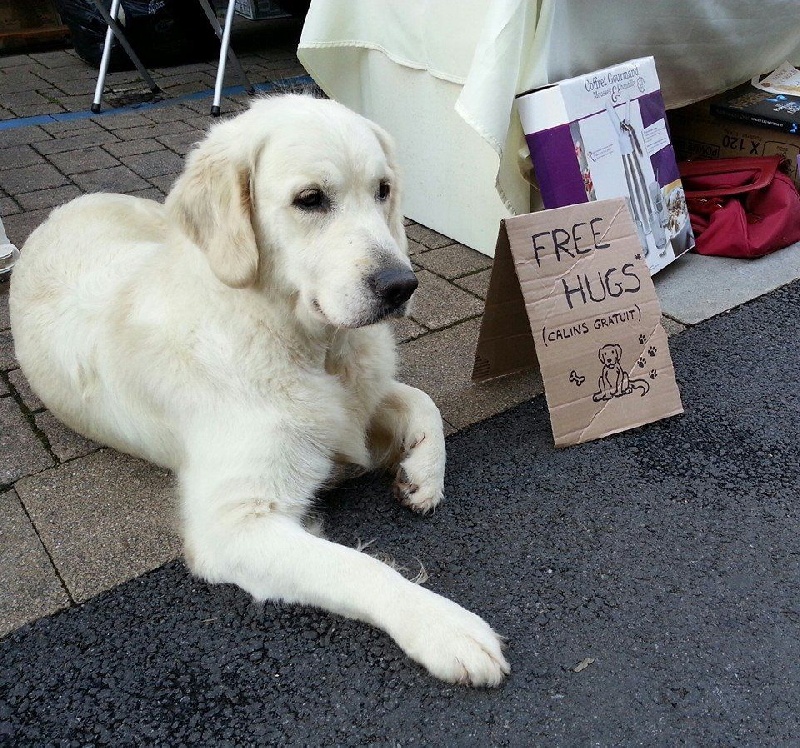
<point>604,135</point>
<point>570,288</point>
<point>697,133</point>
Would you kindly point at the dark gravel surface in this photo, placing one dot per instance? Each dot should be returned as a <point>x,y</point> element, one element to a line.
<point>670,556</point>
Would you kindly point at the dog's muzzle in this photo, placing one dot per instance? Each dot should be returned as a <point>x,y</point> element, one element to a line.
<point>393,287</point>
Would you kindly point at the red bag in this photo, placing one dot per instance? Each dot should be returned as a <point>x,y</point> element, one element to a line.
<point>741,207</point>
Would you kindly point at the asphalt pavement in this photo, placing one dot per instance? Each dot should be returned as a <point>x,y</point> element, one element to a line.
<point>648,585</point>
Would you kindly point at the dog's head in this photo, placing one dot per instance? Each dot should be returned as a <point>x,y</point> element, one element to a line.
<point>301,196</point>
<point>610,355</point>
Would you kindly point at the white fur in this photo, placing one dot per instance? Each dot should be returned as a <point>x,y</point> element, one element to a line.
<point>227,335</point>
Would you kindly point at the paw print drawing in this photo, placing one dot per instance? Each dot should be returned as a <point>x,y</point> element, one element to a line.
<point>653,374</point>
<point>641,362</point>
<point>642,339</point>
<point>651,351</point>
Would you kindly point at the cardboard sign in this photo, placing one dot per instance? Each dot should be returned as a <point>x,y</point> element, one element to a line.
<point>573,284</point>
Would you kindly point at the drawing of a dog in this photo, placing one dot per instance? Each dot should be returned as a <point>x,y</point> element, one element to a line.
<point>614,380</point>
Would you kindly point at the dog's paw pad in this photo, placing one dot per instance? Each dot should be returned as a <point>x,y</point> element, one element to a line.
<point>458,647</point>
<point>411,496</point>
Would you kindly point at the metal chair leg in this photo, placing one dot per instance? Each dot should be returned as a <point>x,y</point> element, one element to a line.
<point>117,31</point>
<point>232,58</point>
<point>104,61</point>
<point>223,55</point>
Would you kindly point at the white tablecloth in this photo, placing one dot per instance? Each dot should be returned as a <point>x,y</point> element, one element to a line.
<point>441,75</point>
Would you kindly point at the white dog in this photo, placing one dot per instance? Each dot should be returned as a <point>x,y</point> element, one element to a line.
<point>232,335</point>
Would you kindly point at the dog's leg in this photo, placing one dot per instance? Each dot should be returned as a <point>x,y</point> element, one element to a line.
<point>407,428</point>
<point>244,494</point>
<point>273,558</point>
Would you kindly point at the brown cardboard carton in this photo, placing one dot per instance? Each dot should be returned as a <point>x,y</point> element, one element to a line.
<point>696,133</point>
<point>572,283</point>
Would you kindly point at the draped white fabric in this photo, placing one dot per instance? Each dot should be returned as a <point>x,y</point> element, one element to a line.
<point>491,50</point>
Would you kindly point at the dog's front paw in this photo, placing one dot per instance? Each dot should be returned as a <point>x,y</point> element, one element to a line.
<point>454,645</point>
<point>419,484</point>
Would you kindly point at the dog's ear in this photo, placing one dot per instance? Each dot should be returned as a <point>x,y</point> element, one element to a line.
<point>396,225</point>
<point>212,203</point>
<point>617,352</point>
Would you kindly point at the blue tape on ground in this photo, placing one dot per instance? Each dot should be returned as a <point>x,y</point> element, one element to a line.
<point>47,119</point>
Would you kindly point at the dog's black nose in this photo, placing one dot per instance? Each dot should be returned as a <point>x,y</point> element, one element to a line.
<point>394,286</point>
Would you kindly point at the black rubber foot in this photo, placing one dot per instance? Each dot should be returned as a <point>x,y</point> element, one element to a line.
<point>215,111</point>
<point>95,108</point>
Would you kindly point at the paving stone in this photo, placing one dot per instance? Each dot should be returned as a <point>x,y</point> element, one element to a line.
<point>114,121</point>
<point>21,451</point>
<point>35,110</point>
<point>4,387</point>
<point>155,164</point>
<point>116,179</point>
<point>8,360</point>
<point>671,326</point>
<point>21,155</point>
<point>5,317</point>
<point>64,442</point>
<point>56,76</point>
<point>183,142</point>
<point>29,178</point>
<point>83,139</point>
<point>72,128</point>
<point>441,364</point>
<point>698,287</point>
<point>18,80</point>
<point>20,226</point>
<point>438,303</point>
<point>124,148</point>
<point>24,135</point>
<point>430,238</point>
<point>152,130</point>
<point>27,97</point>
<point>477,283</point>
<point>8,206</point>
<point>453,261</point>
<point>406,329</point>
<point>166,114</point>
<point>23,389</point>
<point>164,183</point>
<point>414,248</point>
<point>151,193</point>
<point>48,198</point>
<point>14,61</point>
<point>55,59</point>
<point>104,519</point>
<point>78,102</point>
<point>28,580</point>
<point>75,86</point>
<point>83,160</point>
<point>60,129</point>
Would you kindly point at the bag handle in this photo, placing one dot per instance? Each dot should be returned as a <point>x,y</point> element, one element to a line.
<point>763,168</point>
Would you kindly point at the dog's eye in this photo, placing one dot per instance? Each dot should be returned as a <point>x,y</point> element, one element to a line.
<point>384,190</point>
<point>311,199</point>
